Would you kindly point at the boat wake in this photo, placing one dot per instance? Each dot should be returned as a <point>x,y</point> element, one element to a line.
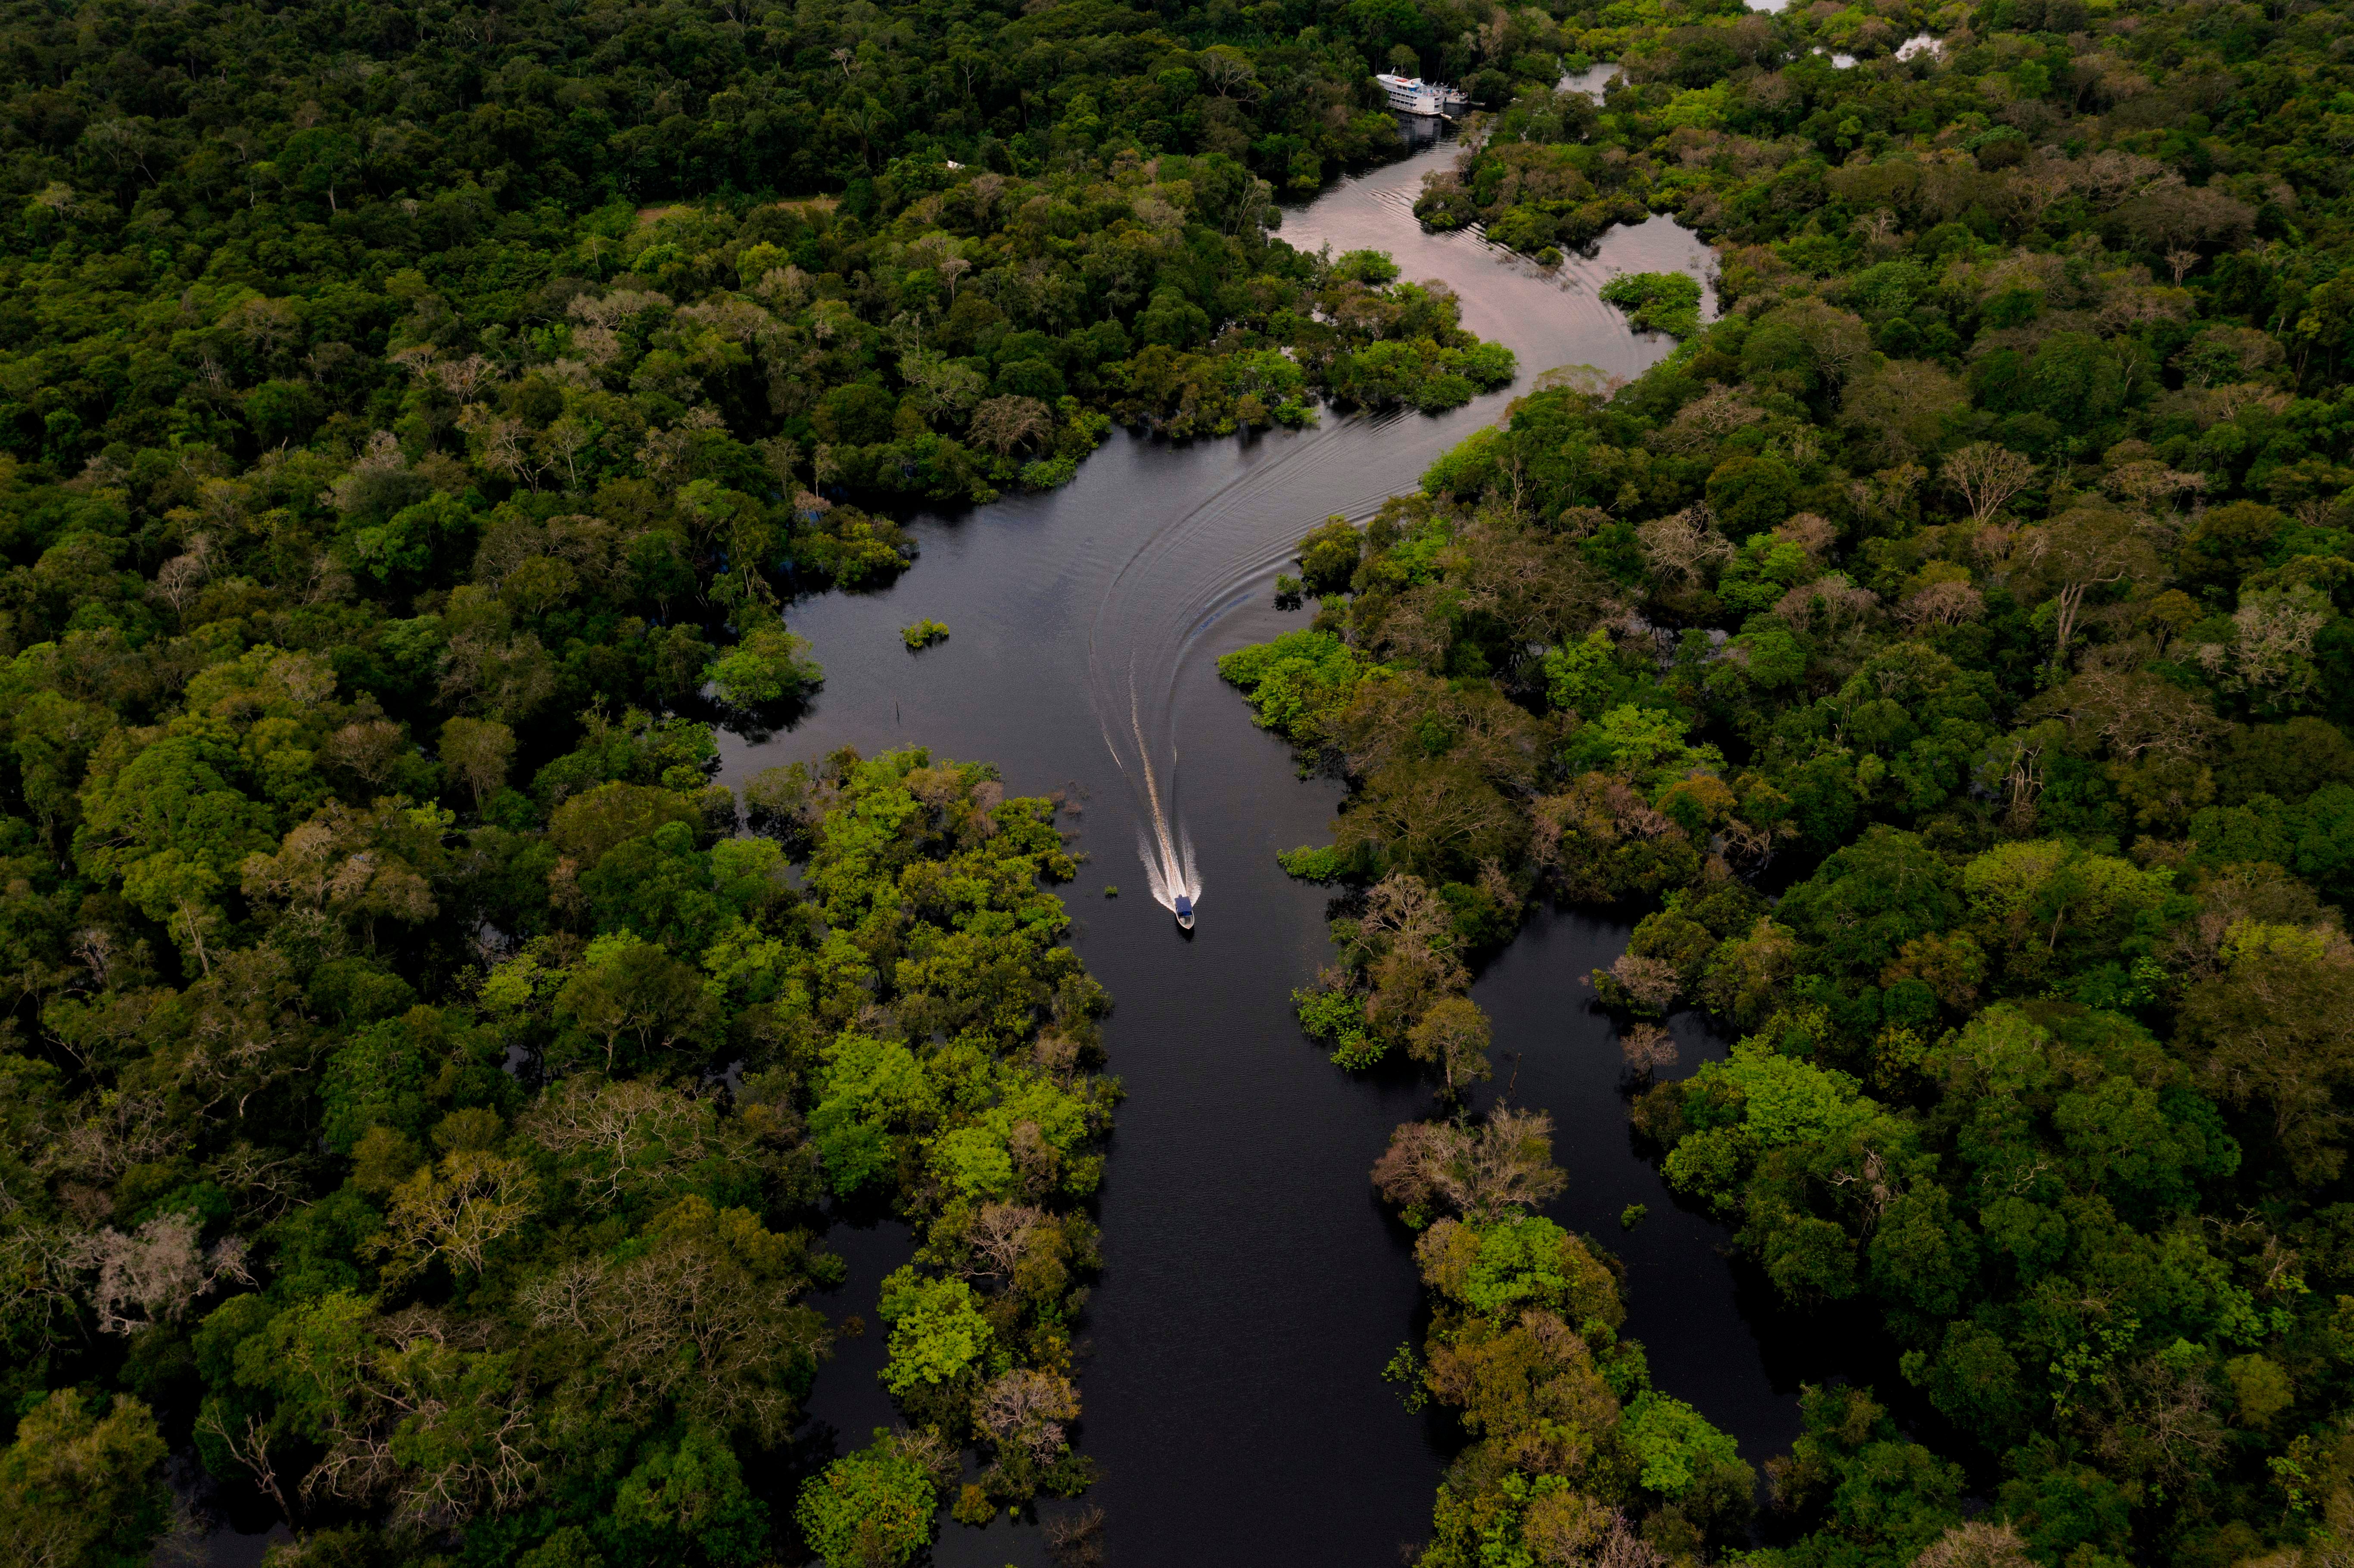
<point>1165,601</point>
<point>1167,853</point>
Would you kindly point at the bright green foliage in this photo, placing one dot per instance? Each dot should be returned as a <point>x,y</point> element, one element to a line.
<point>1297,683</point>
<point>938,1332</point>
<point>1578,674</point>
<point>1518,1265</point>
<point>1523,1347</point>
<point>1338,1018</point>
<point>767,666</point>
<point>872,1507</point>
<point>518,1164</point>
<point>1779,1099</point>
<point>870,1087</point>
<point>1673,1443</point>
<point>923,634</point>
<point>1660,301</point>
<point>1313,863</point>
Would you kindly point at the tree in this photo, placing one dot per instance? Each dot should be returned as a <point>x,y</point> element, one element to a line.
<point>1902,407</point>
<point>1683,547</point>
<point>634,991</point>
<point>1024,1413</point>
<point>1501,1165</point>
<point>873,1509</point>
<point>2276,1028</point>
<point>1986,476</point>
<point>477,751</point>
<point>691,1501</point>
<point>82,1489</point>
<point>1001,424</point>
<point>767,666</point>
<point>2087,549</point>
<point>1432,816</point>
<point>457,1210</point>
<point>160,1271</point>
<point>938,1332</point>
<point>1453,1036</point>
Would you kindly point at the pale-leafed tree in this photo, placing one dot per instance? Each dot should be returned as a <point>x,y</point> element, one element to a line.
<point>370,750</point>
<point>1025,1410</point>
<point>265,327</point>
<point>561,444</point>
<point>940,385</point>
<point>1228,71</point>
<point>477,751</point>
<point>1453,1036</point>
<point>1810,533</point>
<point>452,1211</point>
<point>2275,632</point>
<point>464,379</point>
<point>1650,983</point>
<point>1683,548</point>
<point>621,1139</point>
<point>1949,602</point>
<point>1978,1543</point>
<point>611,310</point>
<point>1001,424</point>
<point>1706,420</point>
<point>156,1274</point>
<point>1648,1048</point>
<point>1986,476</point>
<point>1830,600</point>
<point>999,1235</point>
<point>178,580</point>
<point>703,1320</point>
<point>2087,549</point>
<point>1494,1167</point>
<point>2150,484</point>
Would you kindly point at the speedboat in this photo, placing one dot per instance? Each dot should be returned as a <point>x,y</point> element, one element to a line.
<point>1184,913</point>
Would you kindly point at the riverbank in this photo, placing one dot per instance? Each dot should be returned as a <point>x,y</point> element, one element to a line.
<point>1252,1288</point>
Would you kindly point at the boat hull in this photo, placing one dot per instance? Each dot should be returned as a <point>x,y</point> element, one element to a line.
<point>1426,99</point>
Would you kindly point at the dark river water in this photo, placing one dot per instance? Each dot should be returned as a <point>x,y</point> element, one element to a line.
<point>1252,1288</point>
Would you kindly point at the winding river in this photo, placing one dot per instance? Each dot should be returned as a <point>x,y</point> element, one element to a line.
<point>1252,1288</point>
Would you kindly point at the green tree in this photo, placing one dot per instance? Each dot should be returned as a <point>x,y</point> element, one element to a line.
<point>83,1489</point>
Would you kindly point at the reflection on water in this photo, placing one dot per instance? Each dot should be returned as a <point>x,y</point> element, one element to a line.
<point>1590,81</point>
<point>1253,1287</point>
<point>1548,316</point>
<point>1420,131</point>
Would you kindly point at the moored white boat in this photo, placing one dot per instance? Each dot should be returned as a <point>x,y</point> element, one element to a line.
<point>1412,95</point>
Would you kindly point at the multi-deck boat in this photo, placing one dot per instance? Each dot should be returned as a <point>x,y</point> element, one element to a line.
<point>1412,95</point>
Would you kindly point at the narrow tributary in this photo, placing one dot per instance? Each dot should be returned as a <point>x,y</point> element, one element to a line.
<point>1253,1287</point>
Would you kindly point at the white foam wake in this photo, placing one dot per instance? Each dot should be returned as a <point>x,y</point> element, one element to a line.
<point>1168,855</point>
<point>1170,868</point>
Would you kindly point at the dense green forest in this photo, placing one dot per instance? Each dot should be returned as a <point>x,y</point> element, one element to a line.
<point>1977,584</point>
<point>424,1087</point>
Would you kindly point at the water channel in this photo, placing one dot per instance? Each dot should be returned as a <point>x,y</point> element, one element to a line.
<point>1252,1288</point>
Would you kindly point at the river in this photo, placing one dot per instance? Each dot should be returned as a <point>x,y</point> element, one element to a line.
<point>1252,1288</point>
